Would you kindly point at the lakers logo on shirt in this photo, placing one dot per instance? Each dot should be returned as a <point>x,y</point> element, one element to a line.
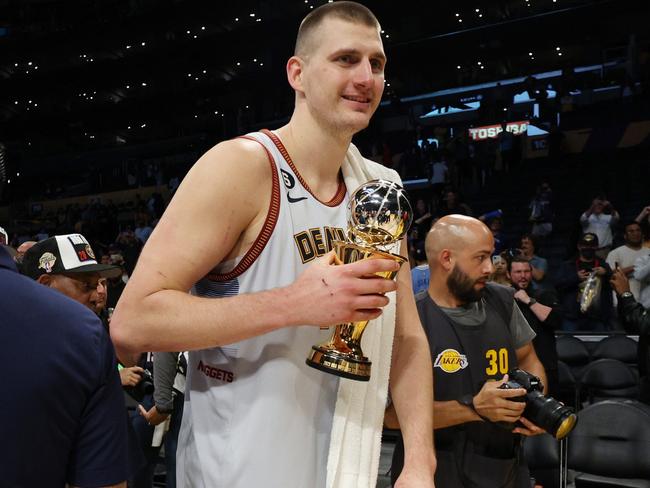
<point>450,361</point>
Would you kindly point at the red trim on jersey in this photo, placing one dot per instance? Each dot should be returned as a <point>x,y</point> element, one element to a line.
<point>340,192</point>
<point>267,229</point>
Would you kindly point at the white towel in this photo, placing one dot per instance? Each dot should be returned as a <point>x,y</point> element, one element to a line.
<point>355,445</point>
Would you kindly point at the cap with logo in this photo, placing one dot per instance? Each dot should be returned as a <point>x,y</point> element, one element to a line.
<point>589,239</point>
<point>69,253</point>
<point>4,237</point>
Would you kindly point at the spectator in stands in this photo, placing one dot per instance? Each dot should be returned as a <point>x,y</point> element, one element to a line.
<point>422,217</point>
<point>543,313</point>
<point>68,389</point>
<point>420,273</point>
<point>507,149</point>
<point>571,280</point>
<point>642,275</point>
<point>625,256</point>
<point>115,286</point>
<point>500,271</point>
<point>494,221</point>
<point>644,220</point>
<point>636,320</point>
<point>539,266</point>
<point>100,304</point>
<point>130,249</point>
<point>541,211</point>
<point>143,231</point>
<point>600,219</point>
<point>451,204</point>
<point>439,176</point>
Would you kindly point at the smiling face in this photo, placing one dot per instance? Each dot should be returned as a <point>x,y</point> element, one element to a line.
<point>340,79</point>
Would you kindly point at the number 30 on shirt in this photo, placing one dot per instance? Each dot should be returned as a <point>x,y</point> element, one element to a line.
<point>497,361</point>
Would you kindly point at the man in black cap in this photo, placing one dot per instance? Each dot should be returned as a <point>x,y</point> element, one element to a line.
<point>572,280</point>
<point>67,263</point>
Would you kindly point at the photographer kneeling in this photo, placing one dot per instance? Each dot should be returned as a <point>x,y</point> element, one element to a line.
<point>476,335</point>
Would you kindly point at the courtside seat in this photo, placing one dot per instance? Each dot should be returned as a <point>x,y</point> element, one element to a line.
<point>610,444</point>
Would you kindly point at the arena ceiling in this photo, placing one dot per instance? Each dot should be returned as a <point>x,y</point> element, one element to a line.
<point>81,74</point>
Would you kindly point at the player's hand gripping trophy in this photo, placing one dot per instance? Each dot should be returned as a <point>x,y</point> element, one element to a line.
<point>379,215</point>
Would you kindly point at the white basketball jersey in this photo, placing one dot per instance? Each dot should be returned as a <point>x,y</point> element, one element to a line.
<point>255,413</point>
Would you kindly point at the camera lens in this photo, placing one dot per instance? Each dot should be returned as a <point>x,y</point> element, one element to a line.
<point>544,411</point>
<point>555,418</point>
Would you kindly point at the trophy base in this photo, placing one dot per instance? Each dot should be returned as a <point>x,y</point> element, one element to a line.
<point>333,362</point>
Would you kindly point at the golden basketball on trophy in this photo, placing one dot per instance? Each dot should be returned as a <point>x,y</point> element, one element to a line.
<point>379,215</point>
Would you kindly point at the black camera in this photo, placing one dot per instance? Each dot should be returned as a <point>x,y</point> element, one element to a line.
<point>143,388</point>
<point>544,411</point>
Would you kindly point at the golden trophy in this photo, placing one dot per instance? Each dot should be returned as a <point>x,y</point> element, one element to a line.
<point>379,215</point>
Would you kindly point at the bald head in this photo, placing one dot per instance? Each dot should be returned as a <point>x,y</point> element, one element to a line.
<point>22,249</point>
<point>457,233</point>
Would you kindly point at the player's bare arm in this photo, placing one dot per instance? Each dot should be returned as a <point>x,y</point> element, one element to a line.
<point>411,386</point>
<point>215,215</point>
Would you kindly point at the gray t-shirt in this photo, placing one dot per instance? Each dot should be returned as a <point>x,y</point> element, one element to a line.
<point>473,314</point>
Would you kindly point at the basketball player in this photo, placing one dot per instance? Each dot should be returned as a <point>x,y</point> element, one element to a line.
<point>249,231</point>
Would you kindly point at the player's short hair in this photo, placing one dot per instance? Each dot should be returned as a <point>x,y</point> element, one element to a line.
<point>349,11</point>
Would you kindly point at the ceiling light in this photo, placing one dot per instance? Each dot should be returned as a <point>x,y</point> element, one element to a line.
<point>202,27</point>
<point>144,84</point>
<point>143,43</point>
